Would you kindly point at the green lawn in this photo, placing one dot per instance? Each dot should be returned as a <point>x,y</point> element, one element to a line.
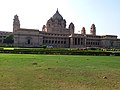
<point>59,72</point>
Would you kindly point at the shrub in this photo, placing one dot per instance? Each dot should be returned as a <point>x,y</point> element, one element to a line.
<point>57,51</point>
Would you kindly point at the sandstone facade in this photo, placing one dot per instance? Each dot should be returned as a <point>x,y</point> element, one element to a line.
<point>56,34</point>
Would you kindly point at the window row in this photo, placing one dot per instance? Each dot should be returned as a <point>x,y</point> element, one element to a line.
<point>93,43</point>
<point>54,42</point>
<point>55,34</point>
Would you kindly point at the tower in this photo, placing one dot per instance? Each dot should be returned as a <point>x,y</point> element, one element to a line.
<point>71,28</point>
<point>16,23</point>
<point>83,31</point>
<point>93,29</point>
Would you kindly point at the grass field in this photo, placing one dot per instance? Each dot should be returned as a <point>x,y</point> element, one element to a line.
<point>59,72</point>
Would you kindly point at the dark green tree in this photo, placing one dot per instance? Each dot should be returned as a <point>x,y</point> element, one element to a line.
<point>9,39</point>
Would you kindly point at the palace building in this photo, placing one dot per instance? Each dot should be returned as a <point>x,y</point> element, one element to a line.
<point>57,35</point>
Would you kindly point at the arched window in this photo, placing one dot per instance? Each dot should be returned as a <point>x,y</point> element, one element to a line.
<point>49,25</point>
<point>28,41</point>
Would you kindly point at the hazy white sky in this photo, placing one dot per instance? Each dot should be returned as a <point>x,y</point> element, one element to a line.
<point>105,14</point>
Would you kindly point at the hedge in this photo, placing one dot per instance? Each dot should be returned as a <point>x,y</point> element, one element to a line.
<point>57,51</point>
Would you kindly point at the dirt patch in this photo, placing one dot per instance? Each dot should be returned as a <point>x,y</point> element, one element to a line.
<point>34,63</point>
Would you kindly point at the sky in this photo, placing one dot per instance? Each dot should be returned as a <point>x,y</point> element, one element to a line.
<point>33,14</point>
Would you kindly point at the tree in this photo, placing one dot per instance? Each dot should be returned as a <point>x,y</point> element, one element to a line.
<point>9,39</point>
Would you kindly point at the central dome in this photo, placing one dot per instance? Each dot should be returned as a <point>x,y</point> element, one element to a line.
<point>57,16</point>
